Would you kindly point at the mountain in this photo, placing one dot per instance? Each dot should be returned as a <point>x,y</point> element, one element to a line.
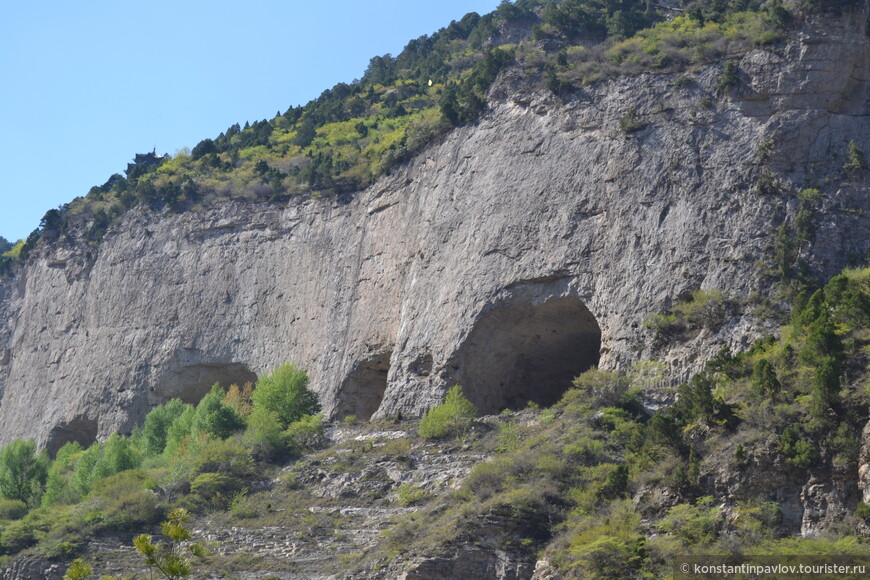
<point>597,209</point>
<point>632,189</point>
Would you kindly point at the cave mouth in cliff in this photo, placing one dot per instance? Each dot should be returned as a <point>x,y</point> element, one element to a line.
<point>362,392</point>
<point>82,430</point>
<point>192,382</point>
<point>528,352</point>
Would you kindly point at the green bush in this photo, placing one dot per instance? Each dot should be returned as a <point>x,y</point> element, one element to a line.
<point>694,525</point>
<point>305,434</point>
<point>285,392</point>
<point>16,536</point>
<point>453,417</point>
<point>214,489</point>
<point>706,309</point>
<point>631,122</point>
<point>101,460</point>
<point>12,509</point>
<point>226,456</point>
<point>408,494</point>
<point>605,388</point>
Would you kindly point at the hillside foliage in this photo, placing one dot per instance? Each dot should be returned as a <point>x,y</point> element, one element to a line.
<point>354,132</point>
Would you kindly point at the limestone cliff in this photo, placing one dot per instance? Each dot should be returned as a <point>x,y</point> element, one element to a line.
<point>508,257</point>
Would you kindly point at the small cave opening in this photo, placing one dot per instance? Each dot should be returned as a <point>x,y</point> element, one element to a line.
<point>362,392</point>
<point>527,352</point>
<point>192,382</point>
<point>81,430</point>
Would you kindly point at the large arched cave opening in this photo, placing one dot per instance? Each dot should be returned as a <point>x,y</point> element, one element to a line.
<point>362,392</point>
<point>527,352</point>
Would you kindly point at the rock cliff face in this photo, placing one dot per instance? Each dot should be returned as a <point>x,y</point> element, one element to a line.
<point>508,257</point>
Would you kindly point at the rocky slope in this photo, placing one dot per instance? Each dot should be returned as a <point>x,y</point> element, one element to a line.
<point>508,257</point>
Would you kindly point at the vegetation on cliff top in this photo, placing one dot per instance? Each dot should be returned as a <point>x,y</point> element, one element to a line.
<point>355,132</point>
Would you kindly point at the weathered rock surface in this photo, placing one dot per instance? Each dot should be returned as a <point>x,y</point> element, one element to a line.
<point>32,568</point>
<point>531,244</point>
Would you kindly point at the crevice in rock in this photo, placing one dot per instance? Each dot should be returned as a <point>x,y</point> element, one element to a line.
<point>362,391</point>
<point>524,351</point>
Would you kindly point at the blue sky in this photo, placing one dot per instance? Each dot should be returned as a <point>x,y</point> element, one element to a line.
<point>86,85</point>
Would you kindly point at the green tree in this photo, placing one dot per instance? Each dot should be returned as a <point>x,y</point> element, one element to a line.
<point>101,460</point>
<point>22,471</point>
<point>286,393</point>
<point>826,389</point>
<point>764,380</point>
<point>179,430</point>
<point>58,489</point>
<point>83,473</point>
<point>264,435</point>
<point>215,417</point>
<point>822,340</point>
<point>855,160</point>
<point>117,455</point>
<point>172,559</point>
<point>157,424</point>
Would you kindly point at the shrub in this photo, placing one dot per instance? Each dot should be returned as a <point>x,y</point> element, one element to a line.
<point>12,509</point>
<point>213,488</point>
<point>764,380</point>
<point>605,388</point>
<point>285,392</point>
<point>706,309</point>
<point>240,399</point>
<point>78,570</point>
<point>695,524</point>
<point>767,184</point>
<point>306,434</point>
<point>226,456</point>
<point>408,494</point>
<point>664,325</point>
<point>16,536</point>
<point>101,460</point>
<point>123,503</point>
<point>453,417</point>
<point>239,505</point>
<point>631,122</point>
